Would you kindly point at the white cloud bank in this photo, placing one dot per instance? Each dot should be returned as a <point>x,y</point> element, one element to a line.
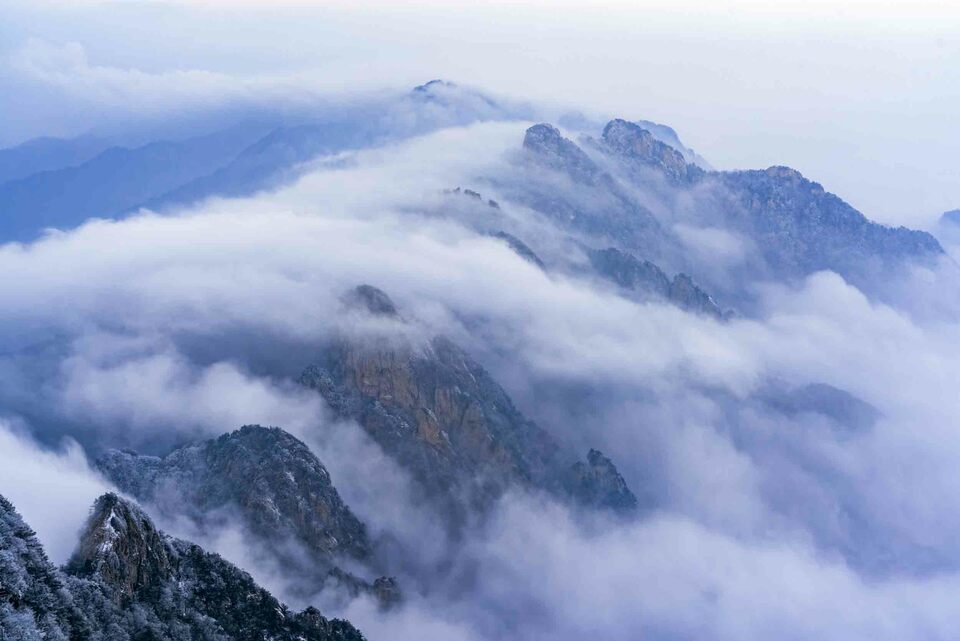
<point>191,322</point>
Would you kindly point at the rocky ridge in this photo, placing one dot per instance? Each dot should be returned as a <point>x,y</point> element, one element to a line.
<point>442,417</point>
<point>795,225</point>
<point>129,581</point>
<point>269,481</point>
<point>647,281</point>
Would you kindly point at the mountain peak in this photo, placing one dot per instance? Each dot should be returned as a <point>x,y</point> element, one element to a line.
<point>786,173</point>
<point>372,300</point>
<point>520,248</point>
<point>434,84</point>
<point>951,217</point>
<point>121,546</point>
<point>557,152</point>
<point>630,140</point>
<point>127,580</point>
<point>598,483</point>
<point>542,134</point>
<point>275,483</point>
<point>646,279</point>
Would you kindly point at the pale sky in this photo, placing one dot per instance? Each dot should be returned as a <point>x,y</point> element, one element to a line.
<point>861,95</point>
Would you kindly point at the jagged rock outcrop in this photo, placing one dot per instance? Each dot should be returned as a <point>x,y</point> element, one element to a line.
<point>472,195</point>
<point>521,248</point>
<point>791,226</point>
<point>268,480</point>
<point>127,580</point>
<point>686,294</point>
<point>637,145</point>
<point>628,271</point>
<point>123,549</point>
<point>669,136</point>
<point>587,199</point>
<point>553,150</point>
<point>647,281</point>
<point>441,416</point>
<point>801,228</point>
<point>597,483</point>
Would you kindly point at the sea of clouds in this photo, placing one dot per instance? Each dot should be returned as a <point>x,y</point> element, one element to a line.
<point>159,329</point>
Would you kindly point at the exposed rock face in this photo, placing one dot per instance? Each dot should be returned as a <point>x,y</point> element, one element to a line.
<point>796,227</point>
<point>647,281</point>
<point>129,581</point>
<point>800,228</point>
<point>687,295</point>
<point>521,248</point>
<point>637,145</point>
<point>598,483</point>
<point>668,136</point>
<point>280,491</point>
<point>629,272</point>
<point>472,195</point>
<point>596,205</point>
<point>441,416</point>
<point>123,550</point>
<point>437,412</point>
<point>557,152</point>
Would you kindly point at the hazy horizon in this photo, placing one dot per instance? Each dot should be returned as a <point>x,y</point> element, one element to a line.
<point>860,96</point>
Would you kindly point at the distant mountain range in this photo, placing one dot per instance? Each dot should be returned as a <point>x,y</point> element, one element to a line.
<point>61,183</point>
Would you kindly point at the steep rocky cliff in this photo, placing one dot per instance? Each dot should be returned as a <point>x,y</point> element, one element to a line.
<point>121,547</point>
<point>636,145</point>
<point>565,184</point>
<point>793,225</point>
<point>646,281</point>
<point>442,417</point>
<point>129,581</point>
<point>267,480</point>
<point>801,228</point>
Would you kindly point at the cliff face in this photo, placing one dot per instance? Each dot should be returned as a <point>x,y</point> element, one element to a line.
<point>646,281</point>
<point>791,226</point>
<point>121,548</point>
<point>800,228</point>
<point>570,188</point>
<point>127,580</point>
<point>280,492</point>
<point>598,483</point>
<point>440,415</point>
<point>638,146</point>
<point>278,487</point>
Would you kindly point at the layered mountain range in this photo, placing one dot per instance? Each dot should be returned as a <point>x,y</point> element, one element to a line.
<point>89,177</point>
<point>625,207</point>
<point>428,406</point>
